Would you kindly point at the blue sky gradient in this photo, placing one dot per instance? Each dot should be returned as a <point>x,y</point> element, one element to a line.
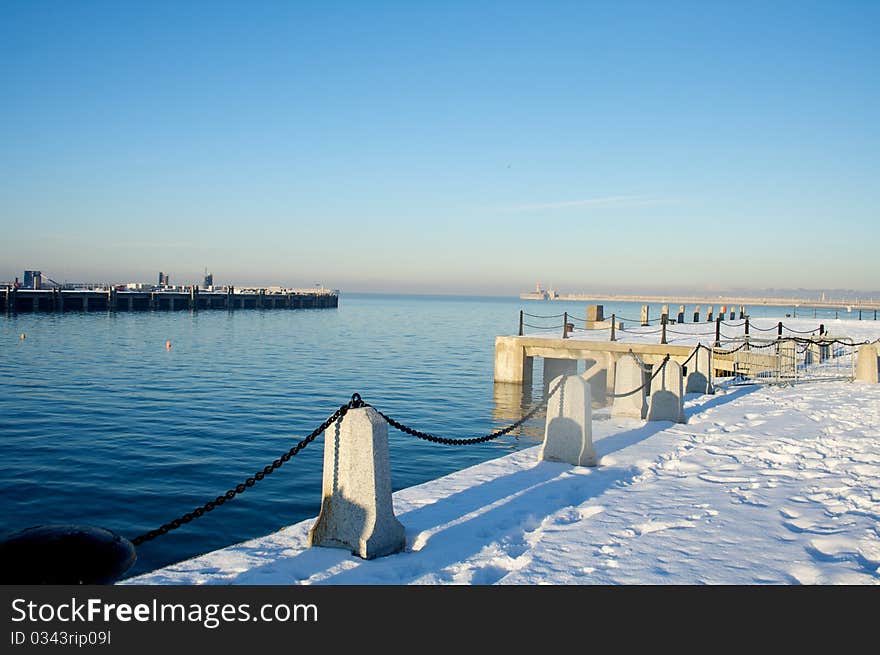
<point>455,147</point>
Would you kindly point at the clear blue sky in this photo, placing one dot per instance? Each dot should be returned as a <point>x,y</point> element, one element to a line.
<point>444,146</point>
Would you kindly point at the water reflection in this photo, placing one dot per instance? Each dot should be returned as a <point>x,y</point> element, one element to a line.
<point>511,403</point>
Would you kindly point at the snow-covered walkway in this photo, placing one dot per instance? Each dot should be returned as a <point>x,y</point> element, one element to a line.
<point>761,486</point>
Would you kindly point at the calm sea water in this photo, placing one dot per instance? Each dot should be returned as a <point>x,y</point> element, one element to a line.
<point>100,424</point>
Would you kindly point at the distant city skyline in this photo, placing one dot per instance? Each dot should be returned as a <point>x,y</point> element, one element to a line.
<point>455,148</point>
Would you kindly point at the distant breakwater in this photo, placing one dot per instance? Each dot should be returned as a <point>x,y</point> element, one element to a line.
<point>89,300</point>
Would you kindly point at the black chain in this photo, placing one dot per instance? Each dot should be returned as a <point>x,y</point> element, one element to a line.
<point>473,440</point>
<point>696,350</point>
<point>251,481</point>
<point>542,316</point>
<point>645,384</point>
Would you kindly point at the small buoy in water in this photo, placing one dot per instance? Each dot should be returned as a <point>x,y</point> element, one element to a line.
<point>168,345</point>
<point>23,336</point>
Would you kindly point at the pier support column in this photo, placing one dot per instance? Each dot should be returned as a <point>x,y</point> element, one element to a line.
<point>867,364</point>
<point>130,303</point>
<point>171,302</point>
<point>356,509</point>
<point>568,431</point>
<point>36,304</point>
<point>511,363</point>
<point>85,302</point>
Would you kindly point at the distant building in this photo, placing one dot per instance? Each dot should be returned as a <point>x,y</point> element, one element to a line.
<point>164,279</point>
<point>33,279</point>
<point>209,280</point>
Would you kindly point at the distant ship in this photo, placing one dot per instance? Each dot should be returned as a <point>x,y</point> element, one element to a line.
<point>539,294</point>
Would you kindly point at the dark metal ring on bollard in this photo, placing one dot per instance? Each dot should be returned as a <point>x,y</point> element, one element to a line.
<point>65,554</point>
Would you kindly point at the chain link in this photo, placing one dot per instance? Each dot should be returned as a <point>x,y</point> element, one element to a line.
<point>472,440</point>
<point>249,482</point>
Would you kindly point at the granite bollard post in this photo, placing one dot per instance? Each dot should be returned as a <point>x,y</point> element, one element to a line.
<point>698,378</point>
<point>356,509</point>
<point>681,313</point>
<point>629,376</point>
<point>867,364</point>
<point>596,375</point>
<point>554,367</point>
<point>666,400</point>
<point>645,315</point>
<point>710,315</point>
<point>568,432</point>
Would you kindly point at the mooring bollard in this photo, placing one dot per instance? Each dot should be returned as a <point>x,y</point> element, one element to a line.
<point>357,512</point>
<point>666,402</point>
<point>697,380</point>
<point>629,390</point>
<point>868,363</point>
<point>568,431</point>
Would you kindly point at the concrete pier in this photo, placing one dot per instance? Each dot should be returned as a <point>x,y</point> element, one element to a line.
<point>66,300</point>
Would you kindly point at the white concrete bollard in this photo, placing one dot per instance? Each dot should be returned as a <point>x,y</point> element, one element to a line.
<point>629,375</point>
<point>356,510</point>
<point>666,402</point>
<point>699,373</point>
<point>554,367</point>
<point>868,364</point>
<point>568,432</point>
<point>596,376</point>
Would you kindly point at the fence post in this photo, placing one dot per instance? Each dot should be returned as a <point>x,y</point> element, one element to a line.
<point>565,325</point>
<point>663,319</point>
<point>520,322</point>
<point>613,327</point>
<point>718,332</point>
<point>779,330</point>
<point>356,509</point>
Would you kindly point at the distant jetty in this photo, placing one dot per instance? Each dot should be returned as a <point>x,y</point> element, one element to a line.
<point>16,300</point>
<point>861,303</point>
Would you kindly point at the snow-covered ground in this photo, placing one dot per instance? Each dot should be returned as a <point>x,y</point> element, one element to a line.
<point>762,485</point>
<point>689,334</point>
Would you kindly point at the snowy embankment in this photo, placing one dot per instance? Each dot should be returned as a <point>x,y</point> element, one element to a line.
<point>690,334</point>
<point>760,486</point>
